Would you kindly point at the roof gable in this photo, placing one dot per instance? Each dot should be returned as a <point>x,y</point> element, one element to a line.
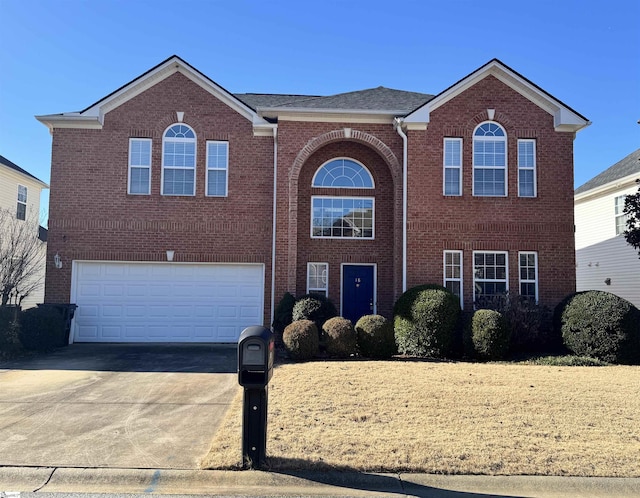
<point>565,118</point>
<point>93,116</point>
<point>13,166</point>
<point>627,167</point>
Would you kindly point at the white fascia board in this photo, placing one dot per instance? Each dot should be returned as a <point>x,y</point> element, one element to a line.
<point>330,115</point>
<point>264,130</point>
<point>86,118</point>
<point>607,188</point>
<point>564,118</point>
<point>27,180</point>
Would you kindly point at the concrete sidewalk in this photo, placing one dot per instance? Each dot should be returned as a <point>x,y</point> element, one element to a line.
<point>45,480</point>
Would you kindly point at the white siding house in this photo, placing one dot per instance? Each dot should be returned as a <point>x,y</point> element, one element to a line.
<point>20,194</point>
<point>604,260</point>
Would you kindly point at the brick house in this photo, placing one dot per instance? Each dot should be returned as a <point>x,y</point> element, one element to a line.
<point>183,212</point>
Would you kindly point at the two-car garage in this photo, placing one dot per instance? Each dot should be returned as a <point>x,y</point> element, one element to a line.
<point>165,302</point>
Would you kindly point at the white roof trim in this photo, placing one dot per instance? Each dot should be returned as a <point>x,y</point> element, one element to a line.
<point>618,184</point>
<point>329,115</point>
<point>93,117</point>
<point>565,119</point>
<point>25,178</point>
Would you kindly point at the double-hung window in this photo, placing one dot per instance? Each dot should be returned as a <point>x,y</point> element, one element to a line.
<point>342,216</point>
<point>490,160</point>
<point>179,161</point>
<point>490,275</point>
<point>621,218</point>
<point>318,279</point>
<point>452,166</point>
<point>453,273</point>
<point>527,168</point>
<point>217,168</point>
<point>528,265</point>
<point>140,166</point>
<point>21,210</point>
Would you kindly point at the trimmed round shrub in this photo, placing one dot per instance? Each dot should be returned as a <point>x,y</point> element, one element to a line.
<point>601,325</point>
<point>425,319</point>
<point>314,307</point>
<point>283,314</point>
<point>490,335</point>
<point>375,337</point>
<point>339,336</point>
<point>300,339</point>
<point>42,329</point>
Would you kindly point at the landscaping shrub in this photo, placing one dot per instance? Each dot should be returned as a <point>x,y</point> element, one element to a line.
<point>300,339</point>
<point>340,337</point>
<point>490,335</point>
<point>601,325</point>
<point>425,319</point>
<point>42,329</point>
<point>9,332</point>
<point>283,314</point>
<point>314,307</point>
<point>375,337</point>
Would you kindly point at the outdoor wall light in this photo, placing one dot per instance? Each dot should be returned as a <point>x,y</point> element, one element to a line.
<point>170,255</point>
<point>57,261</point>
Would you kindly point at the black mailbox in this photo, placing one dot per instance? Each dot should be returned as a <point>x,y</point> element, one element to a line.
<point>255,357</point>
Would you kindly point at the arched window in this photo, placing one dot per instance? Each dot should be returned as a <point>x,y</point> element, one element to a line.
<point>178,160</point>
<point>343,173</point>
<point>342,216</point>
<point>489,160</point>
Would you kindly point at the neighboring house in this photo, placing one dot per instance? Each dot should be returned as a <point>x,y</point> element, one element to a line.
<point>183,212</point>
<point>604,260</point>
<point>20,194</point>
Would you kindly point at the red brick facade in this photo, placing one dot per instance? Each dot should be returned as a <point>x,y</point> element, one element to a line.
<point>92,217</point>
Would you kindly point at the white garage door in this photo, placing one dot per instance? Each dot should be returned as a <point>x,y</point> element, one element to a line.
<point>165,302</point>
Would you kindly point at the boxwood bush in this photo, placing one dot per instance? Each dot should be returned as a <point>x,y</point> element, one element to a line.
<point>376,338</point>
<point>490,335</point>
<point>425,319</point>
<point>300,339</point>
<point>42,328</point>
<point>283,315</point>
<point>340,337</point>
<point>314,307</point>
<point>601,325</point>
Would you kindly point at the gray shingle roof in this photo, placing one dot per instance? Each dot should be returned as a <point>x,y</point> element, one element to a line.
<point>627,166</point>
<point>5,162</point>
<point>372,99</point>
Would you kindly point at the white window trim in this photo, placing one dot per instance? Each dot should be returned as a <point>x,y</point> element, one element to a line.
<point>326,270</point>
<point>620,214</point>
<point>460,280</point>
<point>24,203</point>
<point>506,261</point>
<point>195,159</point>
<point>528,281</point>
<point>131,140</point>
<point>506,160</point>
<point>373,182</point>
<point>445,167</point>
<point>533,168</point>
<point>373,217</point>
<point>225,169</point>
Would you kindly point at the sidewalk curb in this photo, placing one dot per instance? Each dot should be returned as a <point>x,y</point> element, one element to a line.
<point>253,483</point>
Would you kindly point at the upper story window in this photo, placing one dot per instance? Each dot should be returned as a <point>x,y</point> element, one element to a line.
<point>527,168</point>
<point>342,173</point>
<point>452,166</point>
<point>179,161</point>
<point>21,211</point>
<point>490,160</point>
<point>140,166</point>
<point>217,168</point>
<point>621,218</point>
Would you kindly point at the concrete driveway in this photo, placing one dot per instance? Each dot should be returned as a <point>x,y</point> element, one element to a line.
<point>117,406</point>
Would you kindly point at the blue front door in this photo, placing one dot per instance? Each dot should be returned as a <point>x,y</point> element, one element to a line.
<point>357,291</point>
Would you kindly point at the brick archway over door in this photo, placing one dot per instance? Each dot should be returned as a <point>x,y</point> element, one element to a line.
<point>395,168</point>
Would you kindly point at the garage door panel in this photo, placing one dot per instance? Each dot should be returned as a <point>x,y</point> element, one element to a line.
<point>138,302</point>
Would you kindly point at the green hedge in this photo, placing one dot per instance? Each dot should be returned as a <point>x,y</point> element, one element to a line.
<point>42,329</point>
<point>376,337</point>
<point>490,335</point>
<point>300,339</point>
<point>340,337</point>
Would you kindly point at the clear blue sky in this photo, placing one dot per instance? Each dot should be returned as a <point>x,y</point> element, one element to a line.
<point>63,55</point>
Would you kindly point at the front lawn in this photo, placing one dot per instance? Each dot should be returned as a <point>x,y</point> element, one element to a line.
<point>446,417</point>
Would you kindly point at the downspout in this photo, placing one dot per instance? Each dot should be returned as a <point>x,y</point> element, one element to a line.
<point>273,242</point>
<point>398,126</point>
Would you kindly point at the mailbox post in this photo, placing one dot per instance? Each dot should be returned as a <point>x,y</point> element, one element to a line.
<point>255,368</point>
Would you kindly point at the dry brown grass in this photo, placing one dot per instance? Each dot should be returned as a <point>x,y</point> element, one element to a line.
<point>453,418</point>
